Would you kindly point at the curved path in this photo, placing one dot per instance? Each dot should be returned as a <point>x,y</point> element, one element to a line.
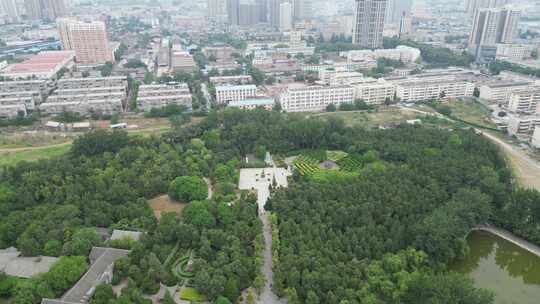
<point>516,240</point>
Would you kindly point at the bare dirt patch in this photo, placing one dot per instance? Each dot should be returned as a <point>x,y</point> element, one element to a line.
<point>163,203</point>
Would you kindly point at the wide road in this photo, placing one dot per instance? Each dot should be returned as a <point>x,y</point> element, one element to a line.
<point>526,169</point>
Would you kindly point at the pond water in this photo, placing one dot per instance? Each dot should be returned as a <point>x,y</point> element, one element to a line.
<point>511,272</point>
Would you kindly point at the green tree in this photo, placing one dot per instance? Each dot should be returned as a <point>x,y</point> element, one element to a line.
<point>188,188</point>
<point>103,294</point>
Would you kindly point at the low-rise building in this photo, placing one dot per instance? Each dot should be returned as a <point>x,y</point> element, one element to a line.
<point>92,82</point>
<point>182,61</point>
<point>499,92</point>
<point>374,91</point>
<point>219,51</point>
<point>231,80</point>
<point>253,103</point>
<point>91,95</point>
<point>161,95</point>
<point>535,140</point>
<point>402,53</point>
<point>416,89</point>
<point>100,272</point>
<point>519,125</point>
<point>44,65</point>
<point>513,52</point>
<point>524,101</point>
<point>314,98</point>
<point>11,111</point>
<point>226,94</point>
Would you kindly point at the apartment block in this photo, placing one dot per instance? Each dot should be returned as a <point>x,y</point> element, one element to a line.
<point>100,95</point>
<point>314,98</point>
<point>426,89</point>
<point>88,40</point>
<point>231,80</point>
<point>499,92</point>
<point>524,101</point>
<point>92,82</point>
<point>28,99</point>
<point>11,111</point>
<point>161,95</point>
<point>523,124</point>
<point>513,52</point>
<point>253,103</point>
<point>226,94</point>
<point>182,61</point>
<point>374,91</point>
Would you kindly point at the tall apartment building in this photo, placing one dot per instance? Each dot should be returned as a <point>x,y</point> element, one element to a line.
<point>45,9</point>
<point>248,12</point>
<point>226,94</point>
<point>369,23</point>
<point>273,12</point>
<point>9,9</point>
<point>262,6</point>
<point>315,98</point>
<point>88,40</point>
<point>216,8</point>
<point>285,16</point>
<point>526,101</point>
<point>490,27</point>
<point>233,8</point>
<point>302,9</point>
<point>395,9</point>
<point>161,95</point>
<point>472,5</point>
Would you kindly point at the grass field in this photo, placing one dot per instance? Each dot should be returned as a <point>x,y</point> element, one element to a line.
<point>191,294</point>
<point>366,120</point>
<point>11,157</point>
<point>163,204</point>
<point>473,112</point>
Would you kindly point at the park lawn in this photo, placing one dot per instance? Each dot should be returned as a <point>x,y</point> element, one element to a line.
<point>472,112</point>
<point>13,157</point>
<point>191,294</point>
<point>366,119</point>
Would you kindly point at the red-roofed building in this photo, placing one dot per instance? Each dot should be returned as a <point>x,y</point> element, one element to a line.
<point>44,65</point>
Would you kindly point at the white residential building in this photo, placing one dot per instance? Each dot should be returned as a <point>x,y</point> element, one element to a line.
<point>11,111</point>
<point>524,101</point>
<point>314,98</point>
<point>499,92</point>
<point>513,52</point>
<point>403,53</point>
<point>226,94</point>
<point>182,61</point>
<point>523,124</point>
<point>161,95</point>
<point>224,80</point>
<point>90,95</point>
<point>535,140</point>
<point>374,91</point>
<point>418,89</point>
<point>253,103</point>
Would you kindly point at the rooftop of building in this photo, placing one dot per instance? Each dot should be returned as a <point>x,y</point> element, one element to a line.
<point>236,87</point>
<point>506,84</point>
<point>42,62</point>
<point>252,102</point>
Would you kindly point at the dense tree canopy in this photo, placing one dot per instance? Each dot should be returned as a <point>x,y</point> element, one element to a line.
<point>381,234</point>
<point>188,188</point>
